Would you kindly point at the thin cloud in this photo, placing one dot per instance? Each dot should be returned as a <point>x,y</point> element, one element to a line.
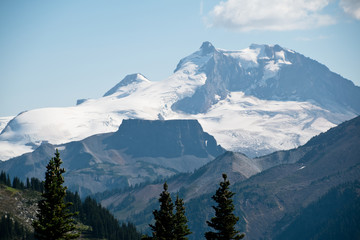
<point>351,7</point>
<point>279,15</point>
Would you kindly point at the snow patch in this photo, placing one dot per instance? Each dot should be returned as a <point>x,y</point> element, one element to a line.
<point>302,167</point>
<point>247,57</point>
<point>60,148</point>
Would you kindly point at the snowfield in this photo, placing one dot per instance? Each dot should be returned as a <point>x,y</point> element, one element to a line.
<point>238,122</point>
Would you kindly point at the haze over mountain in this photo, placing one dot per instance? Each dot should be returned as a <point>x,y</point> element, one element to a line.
<point>240,97</point>
<point>140,151</point>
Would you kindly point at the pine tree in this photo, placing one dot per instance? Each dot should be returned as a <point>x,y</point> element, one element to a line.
<point>224,221</point>
<point>17,183</point>
<point>54,219</point>
<point>181,229</point>
<point>8,181</point>
<point>2,177</point>
<point>28,184</point>
<point>164,218</point>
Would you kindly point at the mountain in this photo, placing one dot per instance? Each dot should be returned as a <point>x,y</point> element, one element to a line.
<point>128,85</point>
<point>140,151</point>
<point>136,204</point>
<point>240,97</point>
<point>270,73</point>
<point>4,121</point>
<point>330,159</point>
<point>340,221</point>
<point>19,206</point>
<point>271,191</point>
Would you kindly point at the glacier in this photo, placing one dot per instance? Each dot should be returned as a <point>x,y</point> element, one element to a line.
<point>255,101</point>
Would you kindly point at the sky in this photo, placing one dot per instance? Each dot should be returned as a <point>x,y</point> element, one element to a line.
<point>55,52</point>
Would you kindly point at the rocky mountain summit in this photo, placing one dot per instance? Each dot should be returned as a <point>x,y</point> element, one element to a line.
<point>240,97</point>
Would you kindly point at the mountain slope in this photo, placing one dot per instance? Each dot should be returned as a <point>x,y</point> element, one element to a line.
<point>21,206</point>
<point>239,97</point>
<point>330,160</point>
<point>270,73</point>
<point>128,85</point>
<point>289,181</point>
<point>138,152</point>
<point>336,215</point>
<point>136,204</point>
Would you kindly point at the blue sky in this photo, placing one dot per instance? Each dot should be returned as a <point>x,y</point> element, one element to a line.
<point>55,52</point>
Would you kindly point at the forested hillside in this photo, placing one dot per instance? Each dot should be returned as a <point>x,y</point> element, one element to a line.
<point>18,207</point>
<point>336,215</point>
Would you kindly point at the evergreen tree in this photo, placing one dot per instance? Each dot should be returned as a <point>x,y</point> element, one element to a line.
<point>164,218</point>
<point>37,185</point>
<point>181,229</point>
<point>54,219</point>
<point>3,177</point>
<point>8,181</point>
<point>224,221</point>
<point>11,229</point>
<point>17,183</point>
<point>28,184</point>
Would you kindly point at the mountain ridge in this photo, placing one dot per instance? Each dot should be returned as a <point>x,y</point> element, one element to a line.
<point>131,79</point>
<point>125,158</point>
<point>235,95</point>
<point>295,179</point>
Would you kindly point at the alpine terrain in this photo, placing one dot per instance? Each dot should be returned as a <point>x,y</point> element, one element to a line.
<point>240,97</point>
<point>140,151</point>
<point>273,193</point>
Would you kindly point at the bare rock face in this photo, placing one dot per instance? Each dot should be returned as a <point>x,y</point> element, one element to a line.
<point>140,151</point>
<point>275,74</point>
<point>171,139</point>
<point>241,97</point>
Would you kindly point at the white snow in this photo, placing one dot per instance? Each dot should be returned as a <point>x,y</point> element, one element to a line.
<point>9,149</point>
<point>272,67</point>
<point>238,122</point>
<point>247,57</point>
<point>4,121</point>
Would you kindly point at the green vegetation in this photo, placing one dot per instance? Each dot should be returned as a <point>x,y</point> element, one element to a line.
<point>181,229</point>
<point>224,221</point>
<point>336,215</point>
<point>102,223</point>
<point>169,226</point>
<point>92,222</point>
<point>54,219</point>
<point>16,183</point>
<point>11,229</point>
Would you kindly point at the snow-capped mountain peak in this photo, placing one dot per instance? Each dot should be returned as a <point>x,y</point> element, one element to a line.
<point>207,48</point>
<point>266,51</point>
<point>199,58</point>
<point>129,84</point>
<point>255,100</point>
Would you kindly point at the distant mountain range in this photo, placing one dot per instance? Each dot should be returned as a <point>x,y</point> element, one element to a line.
<point>257,100</point>
<point>271,191</point>
<point>140,151</point>
<point>252,114</point>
